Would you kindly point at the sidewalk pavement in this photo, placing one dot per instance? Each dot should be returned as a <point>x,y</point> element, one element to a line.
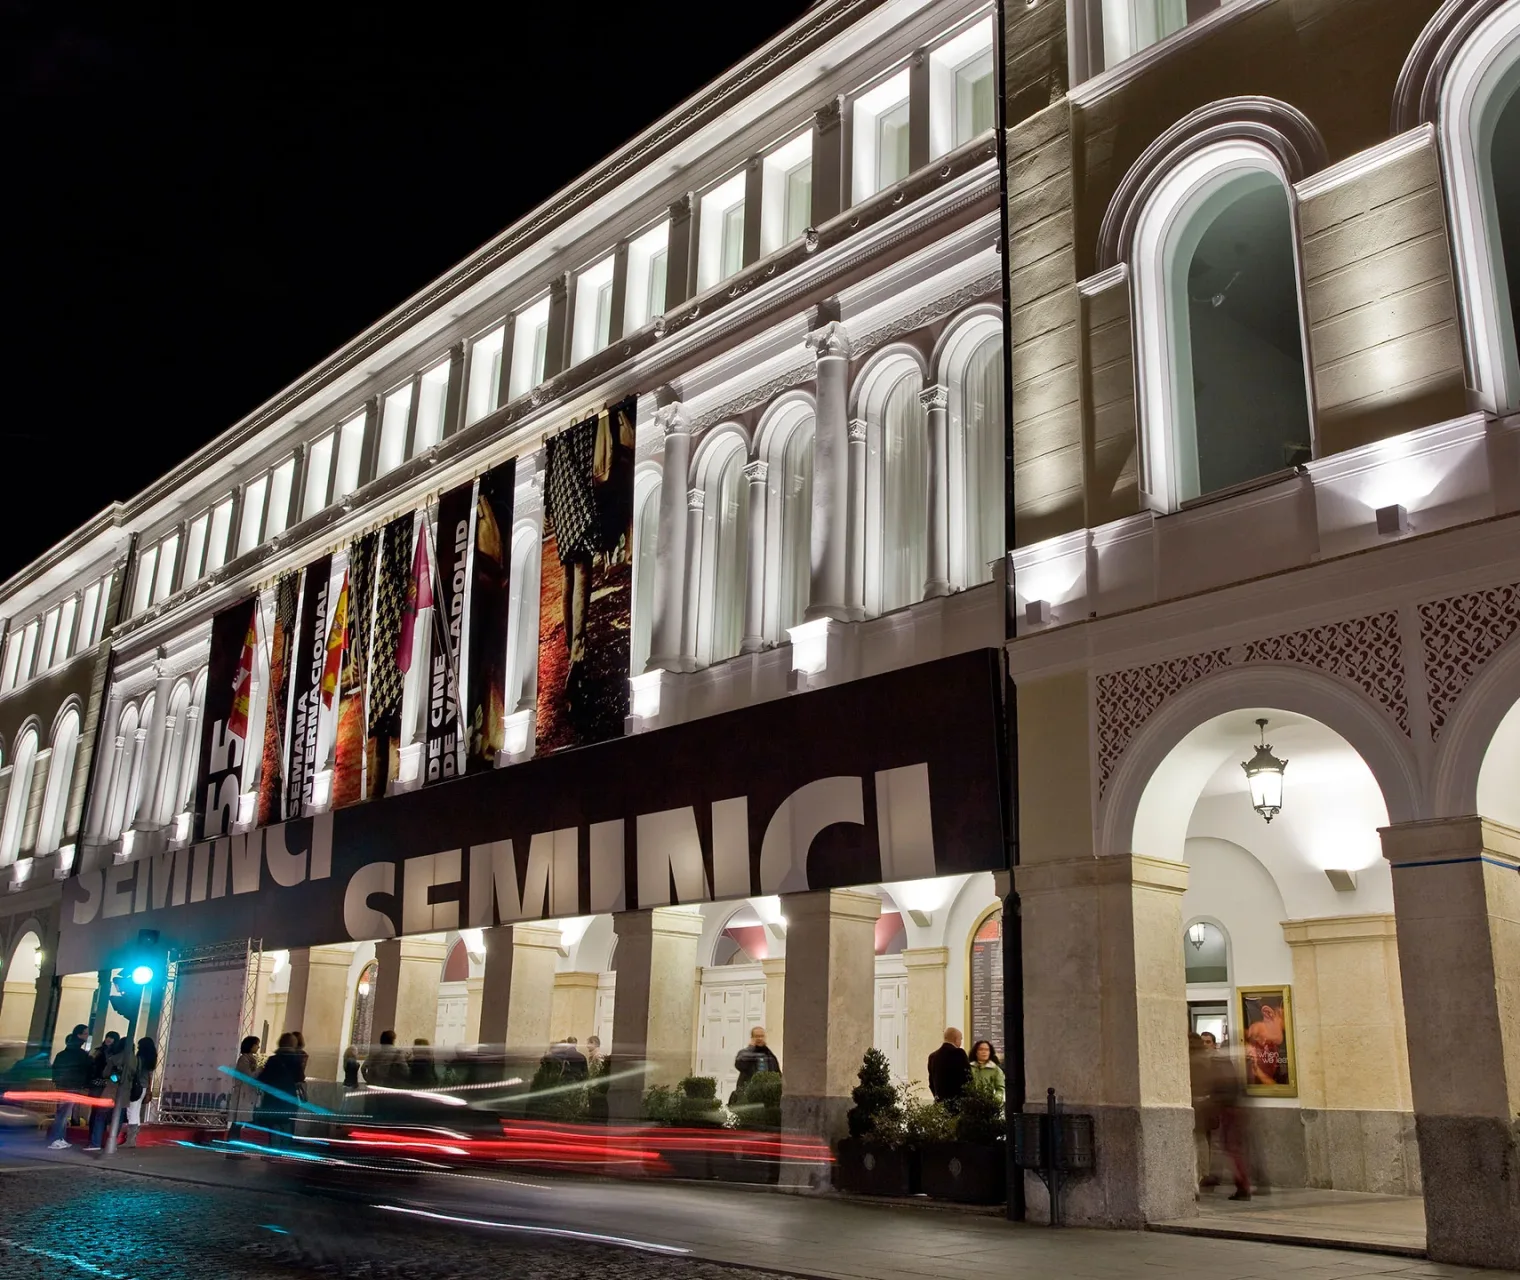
<point>818,1236</point>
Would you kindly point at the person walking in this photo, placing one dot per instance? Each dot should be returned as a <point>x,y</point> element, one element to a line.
<point>986,1070</point>
<point>245,1095</point>
<point>949,1071</point>
<point>351,1067</point>
<point>71,1076</point>
<point>386,1065</point>
<point>279,1079</point>
<point>1227,1096</point>
<point>422,1072</point>
<point>754,1058</point>
<point>141,1093</point>
<point>105,1075</point>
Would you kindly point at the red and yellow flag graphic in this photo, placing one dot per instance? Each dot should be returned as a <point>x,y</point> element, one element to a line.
<point>337,642</point>
<point>242,682</point>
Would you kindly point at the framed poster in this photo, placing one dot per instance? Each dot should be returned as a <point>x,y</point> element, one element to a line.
<point>1269,1041</point>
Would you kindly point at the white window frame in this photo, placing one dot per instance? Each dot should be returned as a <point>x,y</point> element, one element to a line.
<point>251,522</point>
<point>55,796</point>
<point>530,337</point>
<point>347,470</point>
<point>196,534</point>
<point>429,425</point>
<point>219,534</point>
<point>648,253</point>
<point>945,65</point>
<point>714,210</point>
<point>142,587</point>
<point>775,182</point>
<point>282,478</point>
<point>19,796</point>
<point>484,382</point>
<point>591,330</point>
<point>869,107</point>
<point>1469,107</point>
<point>319,461</point>
<point>395,413</point>
<point>1163,367</point>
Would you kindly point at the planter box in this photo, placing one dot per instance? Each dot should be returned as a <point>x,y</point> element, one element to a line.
<point>869,1169</point>
<point>967,1172</point>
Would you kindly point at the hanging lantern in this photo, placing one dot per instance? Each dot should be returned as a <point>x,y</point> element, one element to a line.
<point>1196,933</point>
<point>1264,775</point>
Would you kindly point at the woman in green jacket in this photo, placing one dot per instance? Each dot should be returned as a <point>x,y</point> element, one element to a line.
<point>986,1073</point>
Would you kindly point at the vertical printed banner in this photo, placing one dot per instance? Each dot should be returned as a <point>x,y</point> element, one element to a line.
<point>272,762</point>
<point>490,615</point>
<point>586,588</point>
<point>223,742</point>
<point>451,554</point>
<point>382,756</point>
<point>309,660</point>
<point>353,672</point>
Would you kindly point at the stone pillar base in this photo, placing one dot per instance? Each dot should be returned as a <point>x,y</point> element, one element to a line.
<point>811,1117</point>
<point>1479,1226</point>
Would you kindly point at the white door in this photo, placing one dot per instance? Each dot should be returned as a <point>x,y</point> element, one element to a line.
<point>892,1016</point>
<point>733,1001</point>
<point>453,1004</point>
<point>601,1018</point>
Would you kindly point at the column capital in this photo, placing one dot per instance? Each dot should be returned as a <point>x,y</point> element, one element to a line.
<point>1451,841</point>
<point>757,471</point>
<point>831,340</point>
<point>858,428</point>
<point>935,396</point>
<point>672,420</point>
<point>696,499</point>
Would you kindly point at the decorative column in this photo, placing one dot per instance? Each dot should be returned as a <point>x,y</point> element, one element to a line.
<point>474,991</point>
<point>406,991</point>
<point>831,480</point>
<point>574,1009</point>
<point>695,502</point>
<point>774,968</point>
<point>134,776</point>
<point>654,1018</point>
<point>517,987</point>
<point>1456,898</point>
<point>754,598</point>
<point>670,547</point>
<point>105,773</point>
<point>314,1005</point>
<point>189,759</point>
<point>829,1014</point>
<point>927,1017</point>
<point>144,812</point>
<point>76,1001</point>
<point>161,781</point>
<point>936,401</point>
<point>855,567</point>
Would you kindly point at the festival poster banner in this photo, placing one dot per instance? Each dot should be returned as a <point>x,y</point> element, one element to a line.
<point>586,583</point>
<point>387,680</point>
<point>891,778</point>
<point>451,549</point>
<point>223,743</point>
<point>349,749</point>
<point>271,762</point>
<point>490,615</point>
<point>308,662</point>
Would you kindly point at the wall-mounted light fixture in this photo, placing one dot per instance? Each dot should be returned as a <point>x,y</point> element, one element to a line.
<point>65,862</point>
<point>1344,881</point>
<point>1264,775</point>
<point>1392,521</point>
<point>1037,612</point>
<point>1197,933</point>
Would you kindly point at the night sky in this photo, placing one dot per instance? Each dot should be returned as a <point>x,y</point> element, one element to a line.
<point>199,210</point>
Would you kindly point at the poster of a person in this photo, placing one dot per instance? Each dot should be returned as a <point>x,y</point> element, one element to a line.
<point>1266,1013</point>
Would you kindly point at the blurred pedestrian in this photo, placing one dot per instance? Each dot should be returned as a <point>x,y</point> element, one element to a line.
<point>594,1055</point>
<point>279,1080</point>
<point>141,1093</point>
<point>105,1075</point>
<point>573,1063</point>
<point>1205,1112</point>
<point>351,1067</point>
<point>304,1058</point>
<point>949,1070</point>
<point>422,1072</point>
<point>754,1058</point>
<point>244,1096</point>
<point>1227,1094</point>
<point>71,1075</point>
<point>986,1070</point>
<point>386,1065</point>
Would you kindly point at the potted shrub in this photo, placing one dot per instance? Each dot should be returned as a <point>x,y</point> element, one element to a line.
<point>694,1105</point>
<point>874,1160</point>
<point>757,1110</point>
<point>969,1164</point>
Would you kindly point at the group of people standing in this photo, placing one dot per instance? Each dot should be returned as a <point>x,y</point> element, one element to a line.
<point>92,1082</point>
<point>267,1091</point>
<point>952,1070</point>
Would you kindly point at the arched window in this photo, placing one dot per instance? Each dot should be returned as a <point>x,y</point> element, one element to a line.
<point>785,443</point>
<point>984,991</point>
<point>724,548</point>
<point>55,801</point>
<point>646,536</point>
<point>1219,330</point>
<point>1205,953</point>
<point>971,366</point>
<point>361,1030</point>
<point>120,773</point>
<point>174,752</point>
<point>897,487</point>
<point>137,756</point>
<point>17,797</point>
<point>1480,139</point>
<point>184,782</point>
<point>522,620</point>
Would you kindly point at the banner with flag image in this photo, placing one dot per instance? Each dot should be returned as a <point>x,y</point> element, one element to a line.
<point>394,593</point>
<point>353,644</point>
<point>224,742</point>
<point>337,645</point>
<point>272,762</point>
<point>451,548</point>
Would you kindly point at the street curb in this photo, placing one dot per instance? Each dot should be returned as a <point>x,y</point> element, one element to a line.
<point>1288,1237</point>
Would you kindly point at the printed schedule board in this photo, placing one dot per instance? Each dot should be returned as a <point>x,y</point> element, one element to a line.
<point>892,778</point>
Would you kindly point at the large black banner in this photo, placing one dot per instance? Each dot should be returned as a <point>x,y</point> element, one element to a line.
<point>490,612</point>
<point>221,760</point>
<point>451,549</point>
<point>308,662</point>
<point>887,779</point>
